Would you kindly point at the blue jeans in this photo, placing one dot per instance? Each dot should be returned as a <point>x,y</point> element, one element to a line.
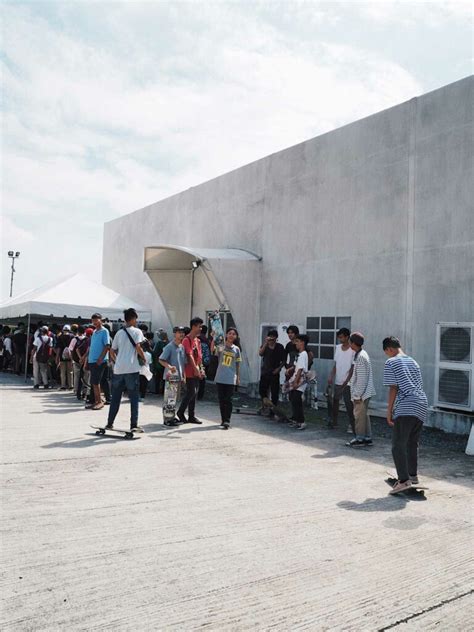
<point>121,382</point>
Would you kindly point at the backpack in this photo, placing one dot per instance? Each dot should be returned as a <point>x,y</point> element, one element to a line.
<point>44,352</point>
<point>74,355</point>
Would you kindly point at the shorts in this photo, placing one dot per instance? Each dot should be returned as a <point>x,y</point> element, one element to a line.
<point>97,372</point>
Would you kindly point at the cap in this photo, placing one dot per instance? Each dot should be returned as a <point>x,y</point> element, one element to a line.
<point>89,331</point>
<point>44,328</point>
<point>357,338</point>
<point>177,328</point>
<point>66,328</point>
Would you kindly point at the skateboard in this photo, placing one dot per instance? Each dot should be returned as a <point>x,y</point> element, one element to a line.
<point>329,400</point>
<point>252,412</point>
<point>276,410</point>
<point>414,489</point>
<point>217,330</point>
<point>170,397</point>
<point>127,434</point>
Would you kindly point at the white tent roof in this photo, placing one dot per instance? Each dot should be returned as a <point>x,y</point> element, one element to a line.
<point>72,297</point>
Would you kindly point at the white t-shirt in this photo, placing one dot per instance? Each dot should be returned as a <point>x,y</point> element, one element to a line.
<point>7,345</point>
<point>344,360</point>
<point>127,359</point>
<point>301,363</point>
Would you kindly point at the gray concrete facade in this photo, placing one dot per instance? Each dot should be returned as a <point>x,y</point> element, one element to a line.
<point>373,220</point>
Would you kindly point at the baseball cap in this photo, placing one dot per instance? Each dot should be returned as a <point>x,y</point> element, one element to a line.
<point>66,328</point>
<point>89,331</point>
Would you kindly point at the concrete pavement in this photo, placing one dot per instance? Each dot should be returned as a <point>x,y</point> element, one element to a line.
<point>255,528</point>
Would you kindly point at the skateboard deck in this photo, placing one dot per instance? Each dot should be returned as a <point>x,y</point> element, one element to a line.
<point>170,397</point>
<point>217,330</point>
<point>417,490</point>
<point>127,434</point>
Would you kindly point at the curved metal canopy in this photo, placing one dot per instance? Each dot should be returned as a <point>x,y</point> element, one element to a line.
<point>170,257</point>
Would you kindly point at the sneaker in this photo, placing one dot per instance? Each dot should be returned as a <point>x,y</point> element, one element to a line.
<point>181,418</point>
<point>137,429</point>
<point>414,480</point>
<point>400,487</point>
<point>356,443</point>
<point>349,430</point>
<point>36,386</point>
<point>300,426</point>
<point>368,442</point>
<point>109,427</point>
<point>194,420</point>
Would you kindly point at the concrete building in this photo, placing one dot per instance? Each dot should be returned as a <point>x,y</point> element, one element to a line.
<point>370,225</point>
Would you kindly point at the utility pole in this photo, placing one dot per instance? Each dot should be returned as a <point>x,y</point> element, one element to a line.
<point>12,255</point>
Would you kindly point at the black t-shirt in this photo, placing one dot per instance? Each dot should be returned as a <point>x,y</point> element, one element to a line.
<point>291,354</point>
<point>63,341</point>
<point>19,340</point>
<point>272,358</point>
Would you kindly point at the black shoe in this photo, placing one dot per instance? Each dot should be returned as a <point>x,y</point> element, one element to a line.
<point>36,386</point>
<point>194,420</point>
<point>356,443</point>
<point>368,442</point>
<point>109,427</point>
<point>181,418</point>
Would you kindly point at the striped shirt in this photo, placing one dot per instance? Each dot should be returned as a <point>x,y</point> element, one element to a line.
<point>362,383</point>
<point>404,372</point>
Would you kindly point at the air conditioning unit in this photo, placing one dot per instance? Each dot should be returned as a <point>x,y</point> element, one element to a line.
<point>454,387</point>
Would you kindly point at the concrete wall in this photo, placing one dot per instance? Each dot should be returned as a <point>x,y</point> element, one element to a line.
<point>373,220</point>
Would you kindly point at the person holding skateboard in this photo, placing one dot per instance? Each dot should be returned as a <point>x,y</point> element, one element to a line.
<point>406,411</point>
<point>298,383</point>
<point>341,376</point>
<point>126,353</point>
<point>193,371</point>
<point>362,389</point>
<point>173,361</point>
<point>228,373</point>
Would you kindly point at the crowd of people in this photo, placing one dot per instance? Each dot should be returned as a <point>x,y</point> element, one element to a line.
<point>100,366</point>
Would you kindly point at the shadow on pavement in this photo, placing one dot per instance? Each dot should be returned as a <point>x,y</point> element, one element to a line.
<point>86,443</point>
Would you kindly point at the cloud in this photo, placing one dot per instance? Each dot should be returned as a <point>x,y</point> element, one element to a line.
<point>109,108</point>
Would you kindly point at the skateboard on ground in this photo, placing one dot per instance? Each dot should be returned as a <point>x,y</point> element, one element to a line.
<point>276,410</point>
<point>414,489</point>
<point>217,330</point>
<point>252,412</point>
<point>170,398</point>
<point>126,434</point>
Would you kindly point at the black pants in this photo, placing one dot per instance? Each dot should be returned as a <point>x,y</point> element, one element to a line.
<point>297,410</point>
<point>159,381</point>
<point>201,389</point>
<point>405,439</point>
<point>143,386</point>
<point>189,399</point>
<point>224,393</point>
<point>270,382</point>
<point>346,396</point>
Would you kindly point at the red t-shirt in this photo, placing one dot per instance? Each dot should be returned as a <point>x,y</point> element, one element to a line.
<point>192,345</point>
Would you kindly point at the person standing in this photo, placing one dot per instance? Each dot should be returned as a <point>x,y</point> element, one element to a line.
<point>158,370</point>
<point>194,372</point>
<point>43,347</point>
<point>125,353</point>
<point>298,382</point>
<point>341,376</point>
<point>97,360</point>
<point>173,361</point>
<point>406,411</point>
<point>63,357</point>
<point>273,359</point>
<point>7,347</point>
<point>206,359</point>
<point>143,379</point>
<point>20,340</point>
<point>78,335</point>
<point>362,389</point>
<point>228,374</point>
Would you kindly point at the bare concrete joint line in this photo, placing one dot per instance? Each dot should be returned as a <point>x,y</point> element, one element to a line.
<point>430,609</point>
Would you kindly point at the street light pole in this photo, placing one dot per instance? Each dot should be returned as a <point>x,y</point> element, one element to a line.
<point>12,255</point>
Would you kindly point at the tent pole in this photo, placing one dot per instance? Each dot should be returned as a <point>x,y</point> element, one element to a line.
<point>27,347</point>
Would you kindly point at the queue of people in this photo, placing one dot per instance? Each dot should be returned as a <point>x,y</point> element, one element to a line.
<point>100,367</point>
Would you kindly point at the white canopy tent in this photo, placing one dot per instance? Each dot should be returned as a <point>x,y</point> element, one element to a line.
<point>70,298</point>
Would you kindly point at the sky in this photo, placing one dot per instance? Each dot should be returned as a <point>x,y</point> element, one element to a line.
<point>110,106</point>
